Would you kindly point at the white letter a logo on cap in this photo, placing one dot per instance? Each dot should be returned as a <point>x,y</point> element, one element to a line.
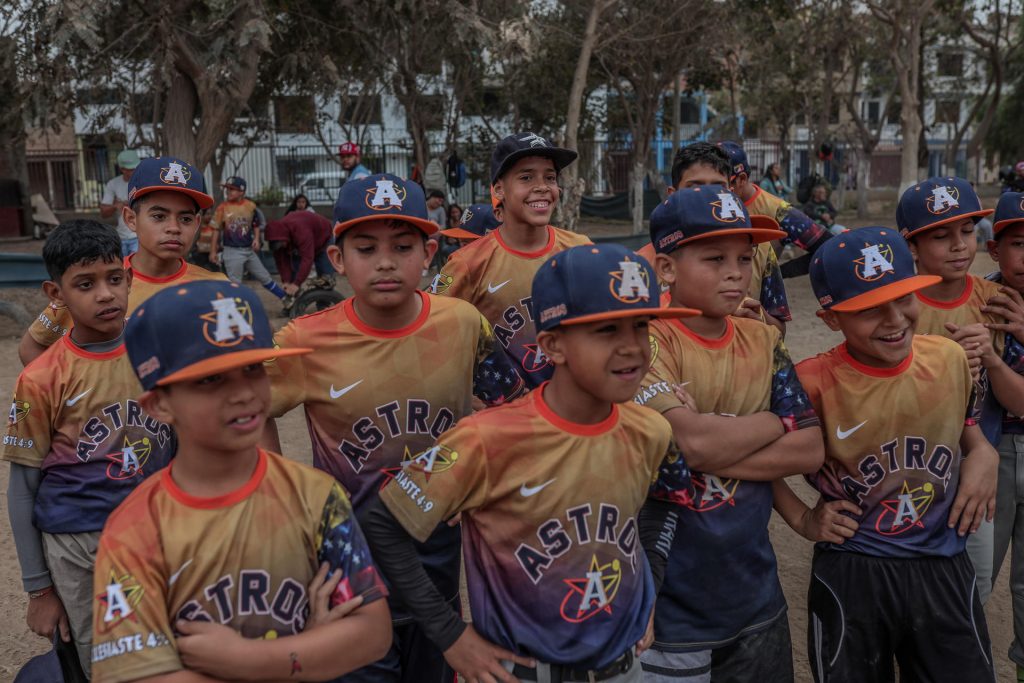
<point>730,208</point>
<point>174,173</point>
<point>386,194</point>
<point>228,319</point>
<point>874,263</point>
<point>632,284</point>
<point>942,199</point>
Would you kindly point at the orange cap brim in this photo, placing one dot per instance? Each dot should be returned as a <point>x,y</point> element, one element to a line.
<point>204,200</point>
<point>999,226</point>
<point>428,227</point>
<point>944,221</point>
<point>676,312</point>
<point>228,361</point>
<point>756,235</point>
<point>461,234</point>
<point>886,293</point>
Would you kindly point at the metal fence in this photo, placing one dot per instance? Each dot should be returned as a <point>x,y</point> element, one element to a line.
<point>73,179</point>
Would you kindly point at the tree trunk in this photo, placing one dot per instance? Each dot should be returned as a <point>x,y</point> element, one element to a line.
<point>636,177</point>
<point>573,185</point>
<point>863,179</point>
<point>179,118</point>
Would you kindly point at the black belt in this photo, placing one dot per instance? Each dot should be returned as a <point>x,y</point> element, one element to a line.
<point>567,673</point>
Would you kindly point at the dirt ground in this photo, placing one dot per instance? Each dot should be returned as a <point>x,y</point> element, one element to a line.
<point>806,336</point>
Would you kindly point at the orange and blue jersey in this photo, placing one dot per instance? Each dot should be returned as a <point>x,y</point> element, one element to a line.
<point>554,565</point>
<point>721,577</point>
<point>237,221</point>
<point>374,399</point>
<point>75,417</point>
<point>892,444</point>
<point>966,310</point>
<point>55,321</point>
<point>243,559</point>
<point>498,280</point>
<point>800,229</point>
<point>1011,424</point>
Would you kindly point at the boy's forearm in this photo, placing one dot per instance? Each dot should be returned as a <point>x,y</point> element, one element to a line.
<point>788,505</point>
<point>657,523</point>
<point>314,655</point>
<point>183,676</point>
<point>21,493</point>
<point>270,440</point>
<point>798,452</point>
<point>713,442</point>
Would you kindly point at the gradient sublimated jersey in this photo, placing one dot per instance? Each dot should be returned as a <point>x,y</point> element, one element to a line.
<point>966,310</point>
<point>244,559</point>
<point>554,565</point>
<point>236,221</point>
<point>374,399</point>
<point>1011,424</point>
<point>721,576</point>
<point>892,444</point>
<point>54,322</point>
<point>800,229</point>
<point>498,280</point>
<point>75,417</point>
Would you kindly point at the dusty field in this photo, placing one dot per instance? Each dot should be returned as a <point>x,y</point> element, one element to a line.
<point>806,337</point>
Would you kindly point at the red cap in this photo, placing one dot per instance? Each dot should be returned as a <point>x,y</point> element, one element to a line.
<point>349,148</point>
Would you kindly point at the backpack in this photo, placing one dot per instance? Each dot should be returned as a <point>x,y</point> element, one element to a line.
<point>456,171</point>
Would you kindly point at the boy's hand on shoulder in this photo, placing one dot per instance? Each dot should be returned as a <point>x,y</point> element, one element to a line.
<point>976,340</point>
<point>685,398</point>
<point>976,493</point>
<point>826,521</point>
<point>479,661</point>
<point>46,614</point>
<point>214,649</point>
<point>1009,305</point>
<point>750,308</point>
<point>320,591</point>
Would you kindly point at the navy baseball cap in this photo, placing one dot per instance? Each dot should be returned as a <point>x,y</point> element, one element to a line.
<point>199,329</point>
<point>705,211</point>
<point>935,202</point>
<point>864,268</point>
<point>511,149</point>
<point>381,195</point>
<point>597,282</point>
<point>737,158</point>
<point>159,174</point>
<point>477,220</point>
<point>235,182</point>
<point>1009,210</point>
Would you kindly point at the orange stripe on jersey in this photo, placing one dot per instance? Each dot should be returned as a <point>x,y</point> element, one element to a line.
<point>226,500</point>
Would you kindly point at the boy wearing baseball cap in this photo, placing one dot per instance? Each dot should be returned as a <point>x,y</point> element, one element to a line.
<point>907,474</point>
<point>1007,249</point>
<point>238,225</point>
<point>165,197</point>
<point>477,220</point>
<point>550,489</point>
<point>494,273</point>
<point>77,440</point>
<point>205,567</point>
<point>743,420</point>
<point>937,218</point>
<point>392,368</point>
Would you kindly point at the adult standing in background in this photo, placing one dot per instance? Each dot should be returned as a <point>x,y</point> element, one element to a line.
<point>351,160</point>
<point>115,197</point>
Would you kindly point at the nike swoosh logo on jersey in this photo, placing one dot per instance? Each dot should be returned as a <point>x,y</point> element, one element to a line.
<point>840,434</point>
<point>72,401</point>
<point>494,288</point>
<point>527,491</point>
<point>344,390</point>
<point>175,575</point>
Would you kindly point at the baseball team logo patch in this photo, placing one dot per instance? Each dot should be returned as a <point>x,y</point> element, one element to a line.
<point>727,209</point>
<point>435,460</point>
<point>467,216</point>
<point>593,593</point>
<point>874,262</point>
<point>534,140</point>
<point>229,323</point>
<point>942,199</point>
<point>19,411</point>
<point>712,492</point>
<point>655,347</point>
<point>440,283</point>
<point>630,283</point>
<point>130,460</point>
<point>119,601</point>
<point>385,195</point>
<point>175,173</point>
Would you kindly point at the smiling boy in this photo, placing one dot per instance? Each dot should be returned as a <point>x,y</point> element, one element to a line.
<point>908,473</point>
<point>392,368</point>
<point>550,489</point>
<point>494,273</point>
<point>78,440</point>
<point>165,195</point>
